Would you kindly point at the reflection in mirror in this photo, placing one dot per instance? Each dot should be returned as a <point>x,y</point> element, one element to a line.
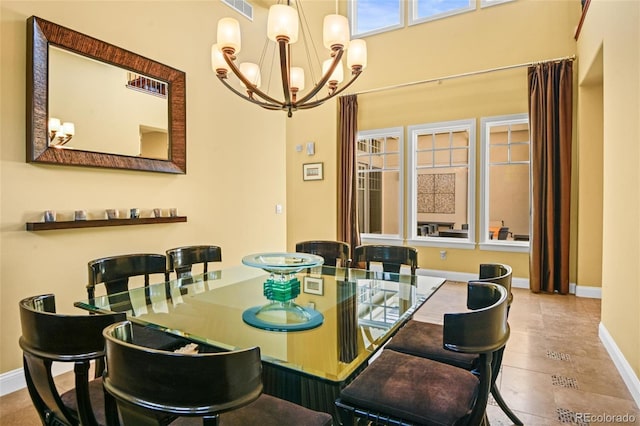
<point>90,103</point>
<point>130,117</point>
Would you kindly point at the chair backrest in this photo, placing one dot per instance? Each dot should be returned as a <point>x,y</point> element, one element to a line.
<point>114,272</point>
<point>181,259</point>
<point>147,382</point>
<point>484,331</point>
<point>391,257</point>
<point>498,273</point>
<point>46,337</point>
<point>334,253</point>
<point>503,233</point>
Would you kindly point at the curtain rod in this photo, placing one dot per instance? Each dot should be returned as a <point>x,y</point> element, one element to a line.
<point>466,74</point>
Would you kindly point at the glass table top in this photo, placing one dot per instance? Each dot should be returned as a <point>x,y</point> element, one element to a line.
<point>361,310</point>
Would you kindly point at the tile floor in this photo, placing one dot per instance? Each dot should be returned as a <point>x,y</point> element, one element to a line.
<point>554,368</point>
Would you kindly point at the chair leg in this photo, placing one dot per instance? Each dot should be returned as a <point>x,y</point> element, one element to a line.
<point>503,405</point>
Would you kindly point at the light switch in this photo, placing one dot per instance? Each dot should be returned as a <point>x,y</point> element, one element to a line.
<point>278,208</point>
<point>311,148</point>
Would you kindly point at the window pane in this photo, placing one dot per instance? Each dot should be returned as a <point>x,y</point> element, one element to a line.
<point>520,152</point>
<point>460,156</point>
<point>425,158</point>
<point>507,179</point>
<point>379,185</point>
<point>499,154</point>
<point>509,197</point>
<point>375,15</point>
<point>427,9</point>
<point>443,158</point>
<point>441,196</point>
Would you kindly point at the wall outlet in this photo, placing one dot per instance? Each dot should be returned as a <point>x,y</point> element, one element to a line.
<point>278,208</point>
<point>443,254</point>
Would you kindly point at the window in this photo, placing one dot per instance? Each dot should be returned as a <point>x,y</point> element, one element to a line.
<point>427,10</point>
<point>380,190</point>
<point>442,183</point>
<point>487,3</point>
<point>506,188</point>
<point>374,16</point>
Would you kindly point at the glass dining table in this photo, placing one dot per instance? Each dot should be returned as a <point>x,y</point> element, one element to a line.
<point>358,310</point>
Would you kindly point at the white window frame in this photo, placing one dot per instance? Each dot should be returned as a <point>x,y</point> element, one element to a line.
<point>413,132</point>
<point>385,133</point>
<point>353,20</point>
<point>413,12</point>
<point>485,243</point>
<point>489,3</point>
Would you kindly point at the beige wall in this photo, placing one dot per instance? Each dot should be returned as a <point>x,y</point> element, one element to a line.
<point>609,52</point>
<point>235,159</point>
<point>433,50</point>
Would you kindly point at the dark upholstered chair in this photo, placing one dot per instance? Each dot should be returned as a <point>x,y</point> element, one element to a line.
<point>49,337</point>
<point>425,339</point>
<point>114,272</point>
<point>334,253</point>
<point>181,259</point>
<point>201,388</point>
<point>391,257</point>
<point>398,388</point>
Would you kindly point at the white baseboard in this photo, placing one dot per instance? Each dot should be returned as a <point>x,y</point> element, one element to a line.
<point>14,380</point>
<point>580,291</point>
<point>624,368</point>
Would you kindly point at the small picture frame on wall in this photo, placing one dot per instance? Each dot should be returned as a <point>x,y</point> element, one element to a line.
<point>313,285</point>
<point>312,171</point>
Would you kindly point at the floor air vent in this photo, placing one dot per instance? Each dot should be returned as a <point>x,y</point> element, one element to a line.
<point>568,416</point>
<point>558,356</point>
<point>565,382</point>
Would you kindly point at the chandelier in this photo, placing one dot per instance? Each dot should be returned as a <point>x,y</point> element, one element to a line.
<point>283,26</point>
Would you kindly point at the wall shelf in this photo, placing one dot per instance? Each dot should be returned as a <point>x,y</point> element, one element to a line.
<point>45,226</point>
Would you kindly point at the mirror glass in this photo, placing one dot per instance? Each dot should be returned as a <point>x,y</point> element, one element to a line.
<point>90,103</point>
<point>131,117</point>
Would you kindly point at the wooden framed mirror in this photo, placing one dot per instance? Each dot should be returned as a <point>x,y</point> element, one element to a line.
<point>147,104</point>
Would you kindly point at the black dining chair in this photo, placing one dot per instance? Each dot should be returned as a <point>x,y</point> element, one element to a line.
<point>48,337</point>
<point>334,253</point>
<point>197,388</point>
<point>391,257</point>
<point>398,388</point>
<point>114,271</point>
<point>424,339</point>
<point>181,259</point>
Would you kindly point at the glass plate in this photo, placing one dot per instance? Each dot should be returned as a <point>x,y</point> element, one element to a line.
<point>283,263</point>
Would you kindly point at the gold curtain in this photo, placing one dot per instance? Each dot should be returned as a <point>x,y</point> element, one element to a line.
<point>550,115</point>
<point>347,176</point>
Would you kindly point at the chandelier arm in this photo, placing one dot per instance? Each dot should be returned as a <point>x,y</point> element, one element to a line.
<point>337,92</point>
<point>250,86</point>
<point>284,69</point>
<point>324,79</point>
<point>245,97</point>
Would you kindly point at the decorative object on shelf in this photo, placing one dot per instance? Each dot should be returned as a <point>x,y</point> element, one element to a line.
<point>173,212</point>
<point>157,212</point>
<point>283,25</point>
<point>113,213</point>
<point>312,171</point>
<point>134,213</point>
<point>80,215</point>
<point>281,289</point>
<point>60,133</point>
<point>49,215</point>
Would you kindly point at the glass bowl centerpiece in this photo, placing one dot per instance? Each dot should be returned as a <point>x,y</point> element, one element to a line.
<point>281,289</point>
